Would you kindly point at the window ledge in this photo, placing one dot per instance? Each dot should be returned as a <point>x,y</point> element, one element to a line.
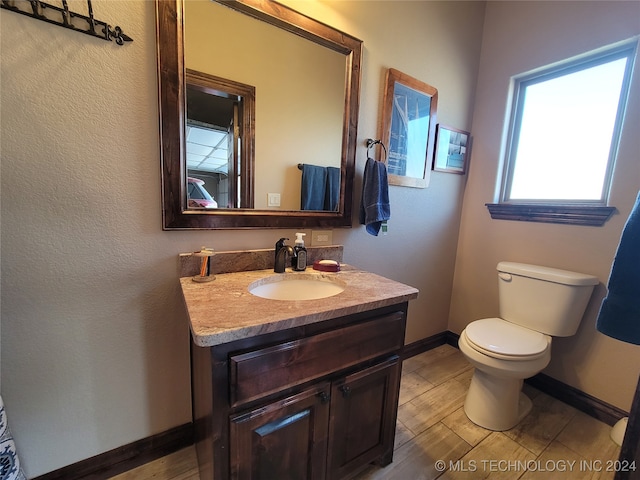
<point>567,214</point>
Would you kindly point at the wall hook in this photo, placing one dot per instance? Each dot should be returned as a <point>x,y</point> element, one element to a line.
<point>64,17</point>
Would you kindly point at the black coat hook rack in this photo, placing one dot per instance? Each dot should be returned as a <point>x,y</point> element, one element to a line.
<point>64,17</point>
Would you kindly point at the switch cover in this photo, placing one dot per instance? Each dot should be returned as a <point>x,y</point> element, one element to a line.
<point>321,237</point>
<point>273,199</point>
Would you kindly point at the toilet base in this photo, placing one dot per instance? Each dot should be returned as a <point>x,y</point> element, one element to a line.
<point>496,403</point>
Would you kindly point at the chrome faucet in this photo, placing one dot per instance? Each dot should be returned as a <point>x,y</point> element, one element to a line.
<point>281,255</point>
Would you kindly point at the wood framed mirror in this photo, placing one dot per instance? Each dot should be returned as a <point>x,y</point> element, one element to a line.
<point>172,83</point>
<point>409,114</point>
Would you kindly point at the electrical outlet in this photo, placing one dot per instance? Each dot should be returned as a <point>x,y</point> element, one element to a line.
<point>273,199</point>
<point>321,237</point>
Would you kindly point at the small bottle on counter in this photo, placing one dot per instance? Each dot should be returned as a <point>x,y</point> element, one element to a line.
<point>300,258</point>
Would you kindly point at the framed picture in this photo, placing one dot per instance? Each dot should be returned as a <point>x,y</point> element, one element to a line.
<point>409,110</point>
<point>452,150</point>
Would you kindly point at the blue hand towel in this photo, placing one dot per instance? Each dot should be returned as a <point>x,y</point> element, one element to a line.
<point>314,185</point>
<point>619,315</point>
<point>374,208</point>
<point>332,194</point>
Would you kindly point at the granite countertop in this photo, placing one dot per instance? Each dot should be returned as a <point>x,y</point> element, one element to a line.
<point>223,310</point>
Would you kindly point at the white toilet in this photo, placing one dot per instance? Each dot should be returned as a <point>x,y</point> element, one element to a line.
<point>536,303</point>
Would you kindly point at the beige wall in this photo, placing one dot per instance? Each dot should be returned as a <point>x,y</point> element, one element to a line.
<point>520,36</point>
<point>443,50</point>
<point>94,336</point>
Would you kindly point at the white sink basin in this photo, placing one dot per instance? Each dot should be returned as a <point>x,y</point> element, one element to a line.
<point>297,286</point>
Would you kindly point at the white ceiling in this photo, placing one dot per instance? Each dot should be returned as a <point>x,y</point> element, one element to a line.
<point>206,150</point>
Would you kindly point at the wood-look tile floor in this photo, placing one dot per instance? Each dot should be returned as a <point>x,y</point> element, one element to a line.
<point>434,438</point>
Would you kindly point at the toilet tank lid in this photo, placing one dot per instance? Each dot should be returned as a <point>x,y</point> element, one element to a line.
<point>546,273</point>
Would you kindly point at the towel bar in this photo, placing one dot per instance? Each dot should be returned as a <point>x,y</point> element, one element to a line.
<point>371,142</point>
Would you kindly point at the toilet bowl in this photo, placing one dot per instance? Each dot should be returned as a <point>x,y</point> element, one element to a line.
<point>494,400</point>
<point>536,303</point>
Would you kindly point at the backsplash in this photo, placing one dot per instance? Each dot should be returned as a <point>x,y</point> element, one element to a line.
<point>245,260</point>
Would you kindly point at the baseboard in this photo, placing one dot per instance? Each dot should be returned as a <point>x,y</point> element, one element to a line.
<point>577,398</point>
<point>584,402</point>
<point>424,344</point>
<point>452,338</point>
<point>126,457</point>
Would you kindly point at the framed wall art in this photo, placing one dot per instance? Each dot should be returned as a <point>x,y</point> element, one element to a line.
<point>452,150</point>
<point>409,111</point>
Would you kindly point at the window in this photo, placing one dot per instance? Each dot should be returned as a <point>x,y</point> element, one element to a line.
<point>563,136</point>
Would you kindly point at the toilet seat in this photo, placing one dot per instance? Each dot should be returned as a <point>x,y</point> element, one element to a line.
<point>501,339</point>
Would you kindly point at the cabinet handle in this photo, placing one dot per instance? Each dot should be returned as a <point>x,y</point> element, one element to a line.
<point>324,397</point>
<point>346,391</point>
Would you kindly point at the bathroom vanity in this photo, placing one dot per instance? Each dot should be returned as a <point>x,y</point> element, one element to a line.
<point>295,389</point>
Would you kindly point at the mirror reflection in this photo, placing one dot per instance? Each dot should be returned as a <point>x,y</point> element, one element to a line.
<point>287,120</point>
<point>299,114</point>
<point>210,137</point>
<point>219,142</point>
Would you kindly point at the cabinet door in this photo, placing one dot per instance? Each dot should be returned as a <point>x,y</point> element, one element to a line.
<point>363,417</point>
<point>286,440</point>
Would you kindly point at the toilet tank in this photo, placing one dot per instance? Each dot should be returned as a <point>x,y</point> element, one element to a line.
<point>544,299</point>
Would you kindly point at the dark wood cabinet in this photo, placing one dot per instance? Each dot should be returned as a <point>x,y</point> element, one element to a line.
<point>286,439</point>
<point>313,402</point>
<point>363,418</point>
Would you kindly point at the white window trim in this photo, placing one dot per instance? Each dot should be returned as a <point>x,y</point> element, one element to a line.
<point>581,212</point>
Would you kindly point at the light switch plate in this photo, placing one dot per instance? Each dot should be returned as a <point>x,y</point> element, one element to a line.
<point>273,199</point>
<point>321,237</point>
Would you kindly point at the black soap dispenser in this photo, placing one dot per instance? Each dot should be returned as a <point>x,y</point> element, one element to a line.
<point>300,258</point>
